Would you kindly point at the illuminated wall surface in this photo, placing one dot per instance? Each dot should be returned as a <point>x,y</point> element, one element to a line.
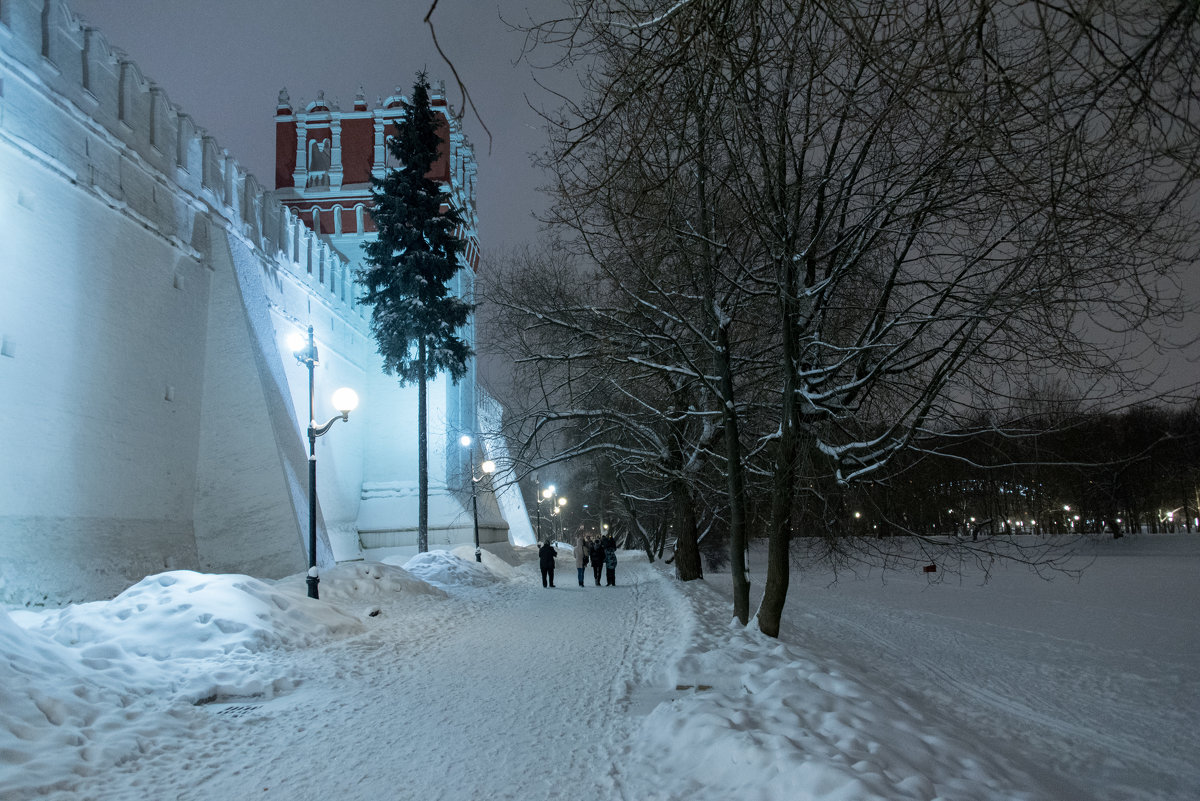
<point>154,415</point>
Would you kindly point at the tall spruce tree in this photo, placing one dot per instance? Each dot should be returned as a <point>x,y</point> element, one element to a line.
<point>415,317</point>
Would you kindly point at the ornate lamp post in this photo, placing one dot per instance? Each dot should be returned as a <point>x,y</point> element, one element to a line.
<point>537,508</point>
<point>561,511</point>
<point>488,467</point>
<point>546,495</point>
<point>345,400</point>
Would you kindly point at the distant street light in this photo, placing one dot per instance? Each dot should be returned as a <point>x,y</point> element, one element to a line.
<point>345,400</point>
<point>560,510</point>
<point>544,495</point>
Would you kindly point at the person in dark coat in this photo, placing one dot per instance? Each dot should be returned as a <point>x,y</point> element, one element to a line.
<point>596,557</point>
<point>546,555</point>
<point>610,559</point>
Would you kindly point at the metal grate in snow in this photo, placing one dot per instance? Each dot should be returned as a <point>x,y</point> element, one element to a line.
<point>238,711</point>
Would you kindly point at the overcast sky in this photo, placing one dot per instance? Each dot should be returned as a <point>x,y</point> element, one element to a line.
<point>224,61</point>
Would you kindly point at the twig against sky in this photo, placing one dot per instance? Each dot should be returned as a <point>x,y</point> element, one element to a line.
<point>462,87</point>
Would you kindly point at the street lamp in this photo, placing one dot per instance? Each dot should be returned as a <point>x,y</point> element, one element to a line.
<point>345,400</point>
<point>544,495</point>
<point>488,467</point>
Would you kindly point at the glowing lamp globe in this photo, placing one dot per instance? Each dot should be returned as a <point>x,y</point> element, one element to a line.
<point>345,400</point>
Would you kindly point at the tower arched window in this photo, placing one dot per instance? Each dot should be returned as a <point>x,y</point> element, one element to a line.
<point>390,162</point>
<point>319,152</point>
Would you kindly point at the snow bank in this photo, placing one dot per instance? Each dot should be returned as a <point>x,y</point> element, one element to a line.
<point>184,614</point>
<point>754,718</point>
<point>358,582</point>
<point>458,568</point>
<point>513,555</point>
<point>82,688</point>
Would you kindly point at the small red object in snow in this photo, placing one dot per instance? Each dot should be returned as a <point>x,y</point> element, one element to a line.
<point>930,568</point>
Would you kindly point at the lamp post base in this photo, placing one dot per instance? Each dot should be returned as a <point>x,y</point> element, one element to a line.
<point>313,581</point>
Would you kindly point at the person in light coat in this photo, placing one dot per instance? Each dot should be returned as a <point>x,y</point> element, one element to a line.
<point>581,552</point>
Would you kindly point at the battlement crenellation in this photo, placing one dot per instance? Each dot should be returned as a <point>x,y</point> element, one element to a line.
<point>115,131</point>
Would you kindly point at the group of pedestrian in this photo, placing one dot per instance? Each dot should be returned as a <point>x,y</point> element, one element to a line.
<point>600,552</point>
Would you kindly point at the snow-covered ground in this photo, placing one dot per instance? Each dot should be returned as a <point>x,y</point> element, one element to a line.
<point>447,679</point>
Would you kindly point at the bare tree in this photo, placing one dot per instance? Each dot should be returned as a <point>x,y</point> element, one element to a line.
<point>904,207</point>
<point>600,380</point>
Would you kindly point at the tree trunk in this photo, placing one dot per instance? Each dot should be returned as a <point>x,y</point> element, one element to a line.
<point>722,357</point>
<point>422,456</point>
<point>783,490</point>
<point>779,533</point>
<point>688,566</point>
<point>736,481</point>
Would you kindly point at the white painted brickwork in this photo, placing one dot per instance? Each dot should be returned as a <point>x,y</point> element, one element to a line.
<point>147,287</point>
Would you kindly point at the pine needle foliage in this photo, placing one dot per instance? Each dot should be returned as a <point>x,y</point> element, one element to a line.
<point>415,317</point>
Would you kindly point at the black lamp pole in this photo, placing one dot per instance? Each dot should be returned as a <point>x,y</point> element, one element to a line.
<point>308,357</point>
<point>488,468</point>
<point>475,512</point>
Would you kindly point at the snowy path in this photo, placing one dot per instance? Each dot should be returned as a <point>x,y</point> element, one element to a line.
<point>473,682</point>
<point>373,717</point>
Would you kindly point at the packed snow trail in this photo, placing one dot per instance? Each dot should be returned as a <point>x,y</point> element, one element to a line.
<point>423,706</point>
<point>448,679</point>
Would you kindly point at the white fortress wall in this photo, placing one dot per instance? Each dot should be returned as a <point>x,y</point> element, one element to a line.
<point>148,283</point>
<point>148,286</point>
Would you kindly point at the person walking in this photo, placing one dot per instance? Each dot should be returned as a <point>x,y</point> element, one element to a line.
<point>546,555</point>
<point>610,559</point>
<point>596,557</point>
<point>581,552</point>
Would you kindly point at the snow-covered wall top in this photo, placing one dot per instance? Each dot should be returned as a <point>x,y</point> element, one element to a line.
<point>122,137</point>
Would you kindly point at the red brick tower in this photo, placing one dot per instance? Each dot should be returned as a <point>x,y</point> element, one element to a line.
<point>325,158</point>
